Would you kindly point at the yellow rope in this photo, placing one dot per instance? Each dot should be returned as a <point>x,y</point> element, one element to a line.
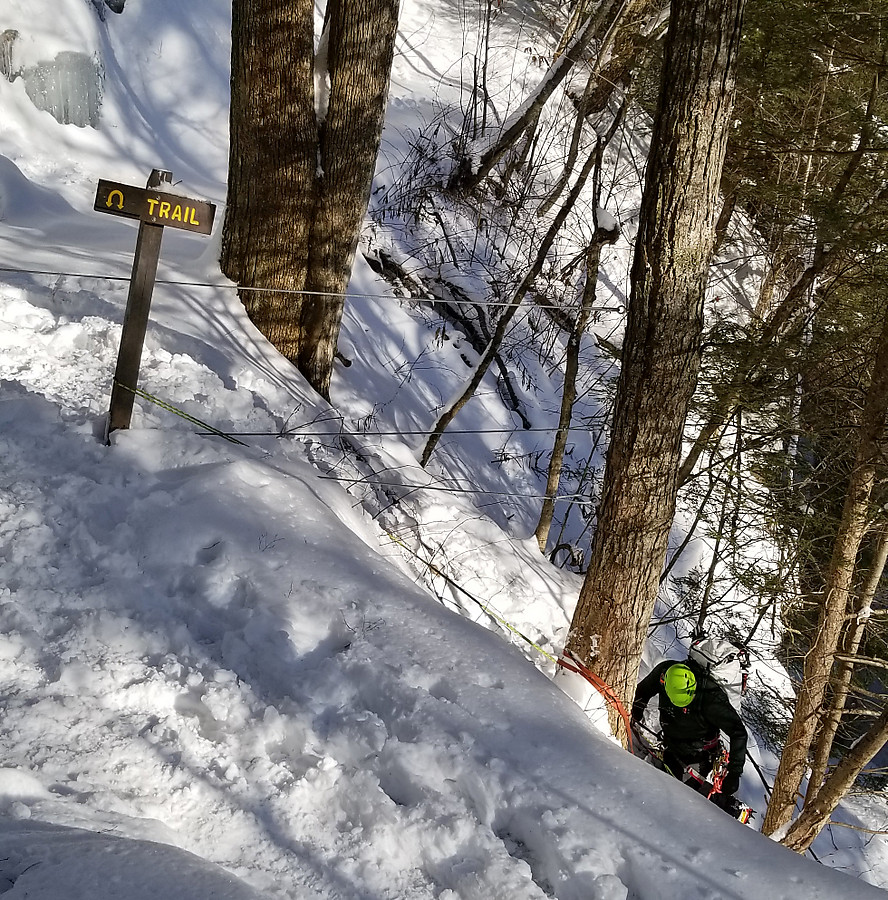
<point>487,610</point>
<point>181,413</point>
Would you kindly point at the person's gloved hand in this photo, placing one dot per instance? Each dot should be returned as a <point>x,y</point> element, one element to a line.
<point>724,801</point>
<point>729,786</point>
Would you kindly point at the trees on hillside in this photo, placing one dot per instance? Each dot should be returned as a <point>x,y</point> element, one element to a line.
<point>806,162</point>
<point>305,129</point>
<point>859,613</point>
<point>524,286</point>
<point>661,349</point>
<point>806,167</point>
<point>599,27</point>
<point>602,234</point>
<point>816,814</point>
<point>836,595</point>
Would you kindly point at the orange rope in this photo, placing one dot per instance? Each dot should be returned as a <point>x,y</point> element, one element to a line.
<point>604,689</point>
<point>718,777</point>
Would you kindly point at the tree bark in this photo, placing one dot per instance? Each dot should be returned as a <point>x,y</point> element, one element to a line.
<point>841,682</point>
<point>301,165</point>
<point>661,350</point>
<point>836,593</point>
<point>361,42</point>
<point>272,161</point>
<point>569,391</point>
<point>816,814</point>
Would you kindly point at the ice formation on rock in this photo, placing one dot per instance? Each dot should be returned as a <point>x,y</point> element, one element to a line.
<point>69,87</point>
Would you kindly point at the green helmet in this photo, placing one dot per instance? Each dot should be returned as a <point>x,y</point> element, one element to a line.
<point>680,684</point>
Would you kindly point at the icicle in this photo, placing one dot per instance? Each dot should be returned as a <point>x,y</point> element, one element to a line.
<point>7,66</point>
<point>69,87</point>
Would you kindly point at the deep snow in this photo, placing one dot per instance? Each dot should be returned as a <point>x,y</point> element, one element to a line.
<point>220,673</point>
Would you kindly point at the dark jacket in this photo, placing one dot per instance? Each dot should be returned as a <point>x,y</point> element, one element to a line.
<point>686,730</point>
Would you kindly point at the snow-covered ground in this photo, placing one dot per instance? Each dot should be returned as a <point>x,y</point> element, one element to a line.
<point>222,674</point>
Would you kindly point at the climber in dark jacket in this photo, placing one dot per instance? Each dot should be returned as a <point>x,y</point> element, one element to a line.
<point>693,710</point>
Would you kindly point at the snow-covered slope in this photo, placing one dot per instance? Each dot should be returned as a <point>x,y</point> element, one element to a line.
<point>213,653</point>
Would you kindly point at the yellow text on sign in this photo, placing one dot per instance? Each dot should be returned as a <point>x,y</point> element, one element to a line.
<point>173,212</point>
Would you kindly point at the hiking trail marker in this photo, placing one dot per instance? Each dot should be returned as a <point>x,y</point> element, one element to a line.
<point>155,209</point>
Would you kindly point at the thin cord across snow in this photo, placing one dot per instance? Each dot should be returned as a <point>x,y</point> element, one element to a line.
<point>351,295</point>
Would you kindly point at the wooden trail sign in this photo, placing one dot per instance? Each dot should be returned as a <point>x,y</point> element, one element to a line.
<point>155,209</point>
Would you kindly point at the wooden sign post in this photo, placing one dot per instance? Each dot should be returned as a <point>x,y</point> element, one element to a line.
<point>155,209</point>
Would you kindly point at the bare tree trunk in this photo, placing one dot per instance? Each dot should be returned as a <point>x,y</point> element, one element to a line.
<point>816,814</point>
<point>841,682</point>
<point>601,25</point>
<point>499,332</point>
<point>272,163</point>
<point>691,532</point>
<point>600,237</point>
<point>720,531</point>
<point>571,368</point>
<point>642,27</point>
<point>581,12</point>
<point>361,42</point>
<point>631,50</point>
<point>661,350</point>
<point>836,593</point>
<point>301,165</point>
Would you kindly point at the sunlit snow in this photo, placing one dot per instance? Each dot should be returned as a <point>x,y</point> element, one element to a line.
<point>222,672</point>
